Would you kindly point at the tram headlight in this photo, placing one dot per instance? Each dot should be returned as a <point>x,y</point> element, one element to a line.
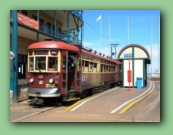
<point>51,80</point>
<point>31,80</point>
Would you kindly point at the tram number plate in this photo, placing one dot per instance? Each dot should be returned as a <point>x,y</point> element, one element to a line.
<point>40,81</point>
<point>38,93</point>
<point>49,85</point>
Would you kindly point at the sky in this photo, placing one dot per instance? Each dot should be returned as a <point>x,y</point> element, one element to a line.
<point>122,27</point>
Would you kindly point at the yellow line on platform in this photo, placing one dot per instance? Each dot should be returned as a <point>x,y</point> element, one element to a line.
<point>89,98</point>
<point>91,118</point>
<point>134,102</point>
<point>68,108</point>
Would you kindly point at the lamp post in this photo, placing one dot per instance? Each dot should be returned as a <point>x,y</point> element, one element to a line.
<point>115,45</point>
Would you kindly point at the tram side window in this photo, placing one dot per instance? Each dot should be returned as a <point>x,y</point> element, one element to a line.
<point>86,68</point>
<point>83,63</point>
<point>95,67</point>
<point>91,67</point>
<point>114,69</point>
<point>109,68</point>
<point>52,66</point>
<point>31,63</point>
<point>40,63</point>
<point>101,68</point>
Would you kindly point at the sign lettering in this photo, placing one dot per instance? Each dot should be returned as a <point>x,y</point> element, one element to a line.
<point>23,19</point>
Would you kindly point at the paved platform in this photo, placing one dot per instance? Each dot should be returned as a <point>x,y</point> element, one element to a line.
<point>23,109</point>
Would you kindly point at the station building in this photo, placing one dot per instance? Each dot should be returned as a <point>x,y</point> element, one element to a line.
<point>29,26</point>
<point>134,60</point>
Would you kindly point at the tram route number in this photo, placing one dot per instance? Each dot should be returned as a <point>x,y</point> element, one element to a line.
<point>49,85</point>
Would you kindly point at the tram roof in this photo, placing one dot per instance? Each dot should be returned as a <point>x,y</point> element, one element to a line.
<point>65,46</point>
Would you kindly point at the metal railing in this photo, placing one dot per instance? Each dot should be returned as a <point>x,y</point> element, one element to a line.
<point>77,13</point>
<point>67,37</point>
<point>64,36</point>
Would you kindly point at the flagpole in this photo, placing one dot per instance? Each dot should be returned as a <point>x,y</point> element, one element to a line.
<point>100,18</point>
<point>151,44</point>
<point>128,31</point>
<point>101,34</point>
<point>109,34</point>
<point>159,50</point>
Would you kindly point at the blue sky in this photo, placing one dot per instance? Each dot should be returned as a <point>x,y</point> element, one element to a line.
<point>143,29</point>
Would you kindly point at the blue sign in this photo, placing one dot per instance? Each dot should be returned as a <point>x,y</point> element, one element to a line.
<point>127,55</point>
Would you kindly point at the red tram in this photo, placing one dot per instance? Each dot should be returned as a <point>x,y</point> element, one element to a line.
<point>57,70</point>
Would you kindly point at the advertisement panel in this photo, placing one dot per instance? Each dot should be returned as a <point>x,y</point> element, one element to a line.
<point>23,19</point>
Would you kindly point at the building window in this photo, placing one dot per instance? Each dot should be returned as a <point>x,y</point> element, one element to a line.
<point>24,12</point>
<point>41,23</point>
<point>34,17</point>
<point>53,29</point>
<point>48,28</point>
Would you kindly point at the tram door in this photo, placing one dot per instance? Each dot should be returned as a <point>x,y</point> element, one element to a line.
<point>69,72</point>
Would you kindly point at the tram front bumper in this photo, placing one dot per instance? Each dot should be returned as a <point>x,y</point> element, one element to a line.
<point>43,92</point>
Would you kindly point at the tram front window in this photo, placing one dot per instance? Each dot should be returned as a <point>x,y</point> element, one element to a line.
<point>52,66</point>
<point>31,63</point>
<point>40,63</point>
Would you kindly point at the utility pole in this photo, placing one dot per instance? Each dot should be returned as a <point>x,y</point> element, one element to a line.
<point>114,45</point>
<point>151,40</point>
<point>159,50</point>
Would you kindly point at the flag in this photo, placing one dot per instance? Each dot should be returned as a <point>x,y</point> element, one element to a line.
<point>99,18</point>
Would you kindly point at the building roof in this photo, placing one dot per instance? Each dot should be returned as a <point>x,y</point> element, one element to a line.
<point>143,50</point>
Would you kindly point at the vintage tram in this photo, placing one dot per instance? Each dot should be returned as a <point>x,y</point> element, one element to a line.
<point>60,71</point>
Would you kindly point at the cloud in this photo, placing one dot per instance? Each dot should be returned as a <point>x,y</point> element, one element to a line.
<point>95,45</point>
<point>155,57</point>
<point>87,44</point>
<point>155,50</point>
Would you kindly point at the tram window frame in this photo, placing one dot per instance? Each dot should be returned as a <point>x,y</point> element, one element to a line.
<point>44,65</point>
<point>95,67</point>
<point>64,63</point>
<point>41,52</point>
<point>54,66</point>
<point>30,53</point>
<point>114,69</point>
<point>83,63</point>
<point>86,67</point>
<point>91,67</point>
<point>101,68</point>
<point>79,65</point>
<point>31,64</point>
<point>105,68</point>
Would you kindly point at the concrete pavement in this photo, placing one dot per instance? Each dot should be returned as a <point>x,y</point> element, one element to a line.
<point>23,109</point>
